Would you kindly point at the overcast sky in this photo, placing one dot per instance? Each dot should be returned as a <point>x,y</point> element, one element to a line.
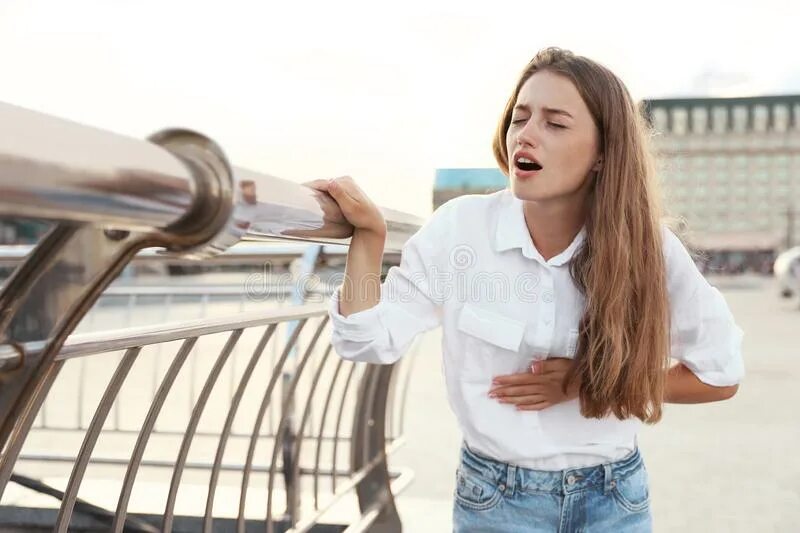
<point>386,94</point>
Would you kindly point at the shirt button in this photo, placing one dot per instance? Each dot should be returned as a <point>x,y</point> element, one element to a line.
<point>547,297</point>
<point>548,321</point>
<point>570,480</point>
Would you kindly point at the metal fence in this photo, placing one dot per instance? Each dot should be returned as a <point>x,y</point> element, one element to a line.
<point>236,423</point>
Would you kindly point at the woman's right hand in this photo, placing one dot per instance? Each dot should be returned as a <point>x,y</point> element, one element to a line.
<point>355,205</point>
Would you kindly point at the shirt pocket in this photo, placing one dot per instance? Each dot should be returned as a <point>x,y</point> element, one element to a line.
<point>491,344</point>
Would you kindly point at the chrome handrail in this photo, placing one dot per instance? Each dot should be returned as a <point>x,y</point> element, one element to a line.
<point>177,180</point>
<point>58,169</point>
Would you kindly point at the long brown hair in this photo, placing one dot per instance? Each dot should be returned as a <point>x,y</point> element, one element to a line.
<point>623,347</point>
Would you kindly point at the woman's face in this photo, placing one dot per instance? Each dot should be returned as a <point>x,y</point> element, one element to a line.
<point>552,141</point>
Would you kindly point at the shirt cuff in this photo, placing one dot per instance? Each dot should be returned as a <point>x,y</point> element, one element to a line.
<point>362,325</point>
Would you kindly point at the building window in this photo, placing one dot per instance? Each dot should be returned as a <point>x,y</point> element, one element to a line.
<point>699,119</point>
<point>760,117</point>
<point>739,119</point>
<point>660,119</point>
<point>719,116</point>
<point>781,117</point>
<point>680,121</point>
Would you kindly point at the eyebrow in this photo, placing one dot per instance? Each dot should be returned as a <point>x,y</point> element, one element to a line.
<point>547,110</point>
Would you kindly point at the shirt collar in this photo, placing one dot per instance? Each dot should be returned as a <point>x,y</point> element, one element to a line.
<point>512,232</point>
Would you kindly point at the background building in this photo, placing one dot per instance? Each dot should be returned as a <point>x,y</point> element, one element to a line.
<point>730,167</point>
<point>452,182</point>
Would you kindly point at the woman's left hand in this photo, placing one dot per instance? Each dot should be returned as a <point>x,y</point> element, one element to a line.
<point>538,389</point>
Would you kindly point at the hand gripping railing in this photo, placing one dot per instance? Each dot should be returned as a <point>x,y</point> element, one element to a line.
<point>111,197</point>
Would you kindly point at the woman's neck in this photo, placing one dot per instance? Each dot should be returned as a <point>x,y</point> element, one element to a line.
<point>553,226</point>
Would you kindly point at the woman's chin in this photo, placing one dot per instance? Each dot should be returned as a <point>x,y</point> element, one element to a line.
<point>530,192</point>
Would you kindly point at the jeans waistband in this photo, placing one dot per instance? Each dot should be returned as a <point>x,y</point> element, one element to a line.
<point>566,481</point>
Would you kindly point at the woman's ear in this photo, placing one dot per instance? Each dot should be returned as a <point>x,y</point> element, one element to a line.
<point>598,165</point>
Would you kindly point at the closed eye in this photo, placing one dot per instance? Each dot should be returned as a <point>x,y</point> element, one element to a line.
<point>556,125</point>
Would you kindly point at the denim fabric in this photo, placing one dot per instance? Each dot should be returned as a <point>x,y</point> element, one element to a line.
<point>493,497</point>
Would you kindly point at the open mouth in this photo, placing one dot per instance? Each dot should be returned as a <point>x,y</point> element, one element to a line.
<point>526,164</point>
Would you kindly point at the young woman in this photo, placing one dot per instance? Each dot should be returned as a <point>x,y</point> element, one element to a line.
<point>562,300</point>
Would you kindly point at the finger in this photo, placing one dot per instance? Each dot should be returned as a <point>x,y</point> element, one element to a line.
<point>512,379</point>
<point>341,193</point>
<point>527,380</point>
<point>523,400</point>
<point>517,390</point>
<point>347,184</point>
<point>319,185</point>
<point>534,406</point>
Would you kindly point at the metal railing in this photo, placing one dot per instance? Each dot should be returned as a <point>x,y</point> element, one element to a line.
<point>292,418</point>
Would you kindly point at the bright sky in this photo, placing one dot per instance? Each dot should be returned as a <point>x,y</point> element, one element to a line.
<point>312,89</point>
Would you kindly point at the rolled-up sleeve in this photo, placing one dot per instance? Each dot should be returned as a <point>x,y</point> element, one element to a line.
<point>408,304</point>
<point>704,334</point>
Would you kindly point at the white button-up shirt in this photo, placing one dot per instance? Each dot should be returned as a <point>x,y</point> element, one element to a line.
<point>474,270</point>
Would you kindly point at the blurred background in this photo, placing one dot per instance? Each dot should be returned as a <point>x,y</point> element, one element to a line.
<point>405,99</point>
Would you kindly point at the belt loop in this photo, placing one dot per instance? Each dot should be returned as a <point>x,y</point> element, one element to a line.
<point>511,478</point>
<point>608,478</point>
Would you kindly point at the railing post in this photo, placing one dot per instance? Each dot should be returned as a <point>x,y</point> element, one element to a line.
<point>368,443</point>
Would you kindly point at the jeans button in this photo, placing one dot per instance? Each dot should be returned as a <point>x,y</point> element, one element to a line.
<point>570,480</point>
<point>502,487</point>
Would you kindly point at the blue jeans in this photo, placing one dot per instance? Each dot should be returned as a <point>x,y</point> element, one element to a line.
<point>496,497</point>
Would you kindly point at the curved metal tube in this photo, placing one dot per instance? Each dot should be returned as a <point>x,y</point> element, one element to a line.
<point>265,401</point>
<point>208,520</point>
<point>283,424</point>
<point>298,443</point>
<point>322,430</point>
<point>193,421</point>
<point>146,431</point>
<point>90,439</point>
<point>338,426</point>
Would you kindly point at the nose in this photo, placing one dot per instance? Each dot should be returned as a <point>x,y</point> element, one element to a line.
<point>528,134</point>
